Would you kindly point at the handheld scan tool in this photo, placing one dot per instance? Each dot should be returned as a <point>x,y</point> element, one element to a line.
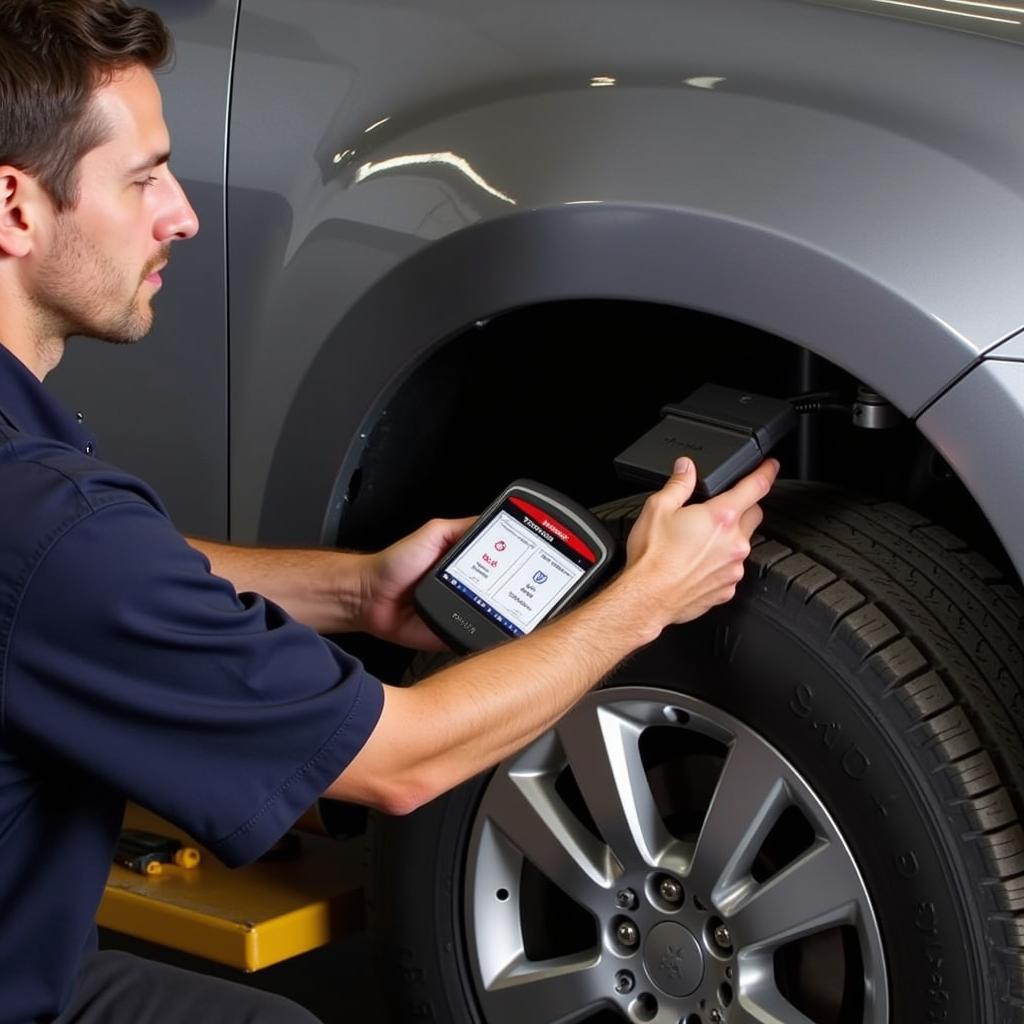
<point>529,555</point>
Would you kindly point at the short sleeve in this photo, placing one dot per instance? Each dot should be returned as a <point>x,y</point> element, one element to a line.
<point>130,661</point>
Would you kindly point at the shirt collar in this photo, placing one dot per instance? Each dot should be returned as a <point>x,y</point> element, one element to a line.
<point>30,408</point>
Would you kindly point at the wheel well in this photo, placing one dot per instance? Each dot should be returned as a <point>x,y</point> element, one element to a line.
<point>554,391</point>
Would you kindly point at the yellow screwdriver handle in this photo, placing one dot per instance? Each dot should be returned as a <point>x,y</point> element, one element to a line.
<point>186,857</point>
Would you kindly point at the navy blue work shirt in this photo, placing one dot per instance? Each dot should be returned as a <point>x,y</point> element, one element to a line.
<point>128,670</point>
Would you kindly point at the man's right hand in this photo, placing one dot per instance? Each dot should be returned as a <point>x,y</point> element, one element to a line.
<point>688,558</point>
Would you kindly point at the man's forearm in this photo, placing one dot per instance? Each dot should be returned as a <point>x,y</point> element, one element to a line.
<point>469,716</point>
<point>680,561</point>
<point>320,588</point>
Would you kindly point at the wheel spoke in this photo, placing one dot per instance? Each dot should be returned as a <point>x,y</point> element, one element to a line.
<point>603,749</point>
<point>535,820</point>
<point>549,992</point>
<point>818,891</point>
<point>749,797</point>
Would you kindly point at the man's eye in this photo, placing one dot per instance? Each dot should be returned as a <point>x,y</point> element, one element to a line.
<point>146,182</point>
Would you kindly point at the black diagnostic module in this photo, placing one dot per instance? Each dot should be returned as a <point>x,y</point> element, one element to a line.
<point>529,555</point>
<point>726,432</point>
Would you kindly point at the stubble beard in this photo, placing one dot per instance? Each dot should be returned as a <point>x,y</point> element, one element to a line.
<point>81,290</point>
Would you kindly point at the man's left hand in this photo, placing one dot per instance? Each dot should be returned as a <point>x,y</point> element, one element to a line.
<point>390,577</point>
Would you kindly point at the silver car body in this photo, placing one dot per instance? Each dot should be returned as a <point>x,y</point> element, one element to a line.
<point>375,177</point>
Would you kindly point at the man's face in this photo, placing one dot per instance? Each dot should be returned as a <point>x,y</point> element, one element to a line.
<point>99,268</point>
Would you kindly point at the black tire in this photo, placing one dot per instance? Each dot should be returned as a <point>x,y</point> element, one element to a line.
<point>884,662</point>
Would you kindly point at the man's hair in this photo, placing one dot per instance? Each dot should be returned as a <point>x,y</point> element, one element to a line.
<point>54,54</point>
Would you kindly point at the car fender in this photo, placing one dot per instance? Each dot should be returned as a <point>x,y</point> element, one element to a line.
<point>977,427</point>
<point>789,192</point>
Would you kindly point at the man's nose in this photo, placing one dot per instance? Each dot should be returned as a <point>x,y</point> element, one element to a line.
<point>178,220</point>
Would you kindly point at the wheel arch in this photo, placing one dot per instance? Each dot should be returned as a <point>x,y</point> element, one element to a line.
<point>683,258</point>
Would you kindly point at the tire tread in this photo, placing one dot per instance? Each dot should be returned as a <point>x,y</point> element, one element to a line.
<point>937,624</point>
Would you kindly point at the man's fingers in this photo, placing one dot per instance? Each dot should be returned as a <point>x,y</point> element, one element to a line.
<point>678,488</point>
<point>751,520</point>
<point>751,489</point>
<point>455,528</point>
<point>446,531</point>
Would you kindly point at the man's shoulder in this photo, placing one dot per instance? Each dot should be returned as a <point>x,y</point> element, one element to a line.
<point>45,480</point>
<point>48,489</point>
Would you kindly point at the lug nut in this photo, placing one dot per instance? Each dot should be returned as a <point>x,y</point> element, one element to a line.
<point>627,933</point>
<point>625,899</point>
<point>714,1016</point>
<point>624,982</point>
<point>670,890</point>
<point>722,937</point>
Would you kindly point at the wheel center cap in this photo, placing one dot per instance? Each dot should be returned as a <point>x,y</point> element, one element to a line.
<point>673,959</point>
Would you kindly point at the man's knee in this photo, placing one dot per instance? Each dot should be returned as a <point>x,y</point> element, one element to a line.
<point>118,988</point>
<point>274,1009</point>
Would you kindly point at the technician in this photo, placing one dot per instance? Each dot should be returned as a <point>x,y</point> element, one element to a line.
<point>187,676</point>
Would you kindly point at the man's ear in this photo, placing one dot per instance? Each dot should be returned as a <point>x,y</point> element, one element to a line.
<point>21,201</point>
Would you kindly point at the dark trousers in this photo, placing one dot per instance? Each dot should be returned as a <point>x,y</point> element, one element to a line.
<point>117,988</point>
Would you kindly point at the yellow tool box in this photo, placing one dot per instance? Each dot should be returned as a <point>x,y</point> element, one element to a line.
<point>248,917</point>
